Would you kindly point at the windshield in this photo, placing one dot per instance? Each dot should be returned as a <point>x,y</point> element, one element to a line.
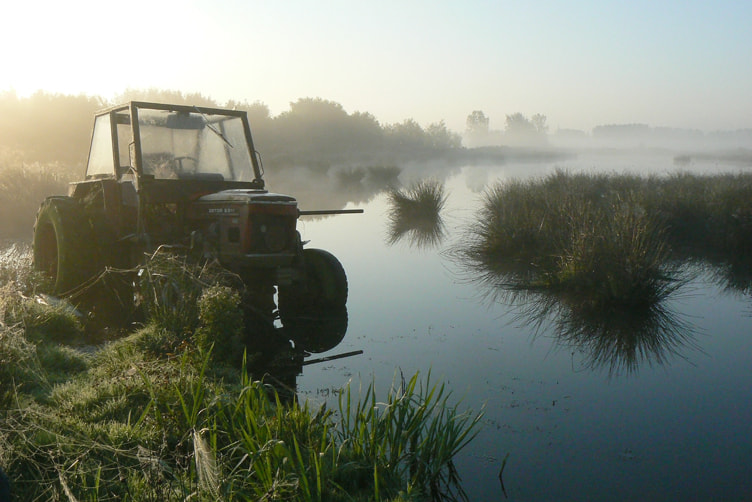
<point>193,145</point>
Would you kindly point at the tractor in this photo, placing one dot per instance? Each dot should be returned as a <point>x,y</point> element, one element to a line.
<point>186,180</point>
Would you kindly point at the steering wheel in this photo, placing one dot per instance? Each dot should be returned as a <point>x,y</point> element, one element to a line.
<point>179,160</point>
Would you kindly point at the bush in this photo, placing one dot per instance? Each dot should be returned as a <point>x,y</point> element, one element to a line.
<point>170,287</point>
<point>221,326</point>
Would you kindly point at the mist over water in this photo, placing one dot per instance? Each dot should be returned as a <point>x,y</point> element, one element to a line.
<point>655,429</point>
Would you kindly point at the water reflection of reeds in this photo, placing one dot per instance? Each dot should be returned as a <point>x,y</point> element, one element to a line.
<point>618,340</point>
<point>415,214</point>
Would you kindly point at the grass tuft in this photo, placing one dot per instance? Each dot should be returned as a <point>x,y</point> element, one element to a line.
<point>415,214</point>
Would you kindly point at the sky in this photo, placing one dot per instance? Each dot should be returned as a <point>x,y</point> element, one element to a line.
<point>581,63</point>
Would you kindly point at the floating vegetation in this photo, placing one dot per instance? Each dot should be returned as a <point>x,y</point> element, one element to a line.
<point>415,214</point>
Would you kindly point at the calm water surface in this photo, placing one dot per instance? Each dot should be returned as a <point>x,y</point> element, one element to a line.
<point>675,431</point>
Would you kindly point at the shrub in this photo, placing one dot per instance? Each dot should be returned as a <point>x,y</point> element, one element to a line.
<point>221,326</point>
<point>170,287</point>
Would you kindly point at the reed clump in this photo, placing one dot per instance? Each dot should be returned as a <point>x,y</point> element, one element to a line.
<point>415,213</point>
<point>595,257</point>
<point>613,239</point>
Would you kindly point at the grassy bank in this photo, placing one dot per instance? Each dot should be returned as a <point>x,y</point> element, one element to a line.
<point>164,414</point>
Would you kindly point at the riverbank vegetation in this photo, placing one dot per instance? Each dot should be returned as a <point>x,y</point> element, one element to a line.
<point>164,413</point>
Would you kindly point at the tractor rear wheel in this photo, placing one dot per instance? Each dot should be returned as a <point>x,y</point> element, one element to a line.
<point>64,244</point>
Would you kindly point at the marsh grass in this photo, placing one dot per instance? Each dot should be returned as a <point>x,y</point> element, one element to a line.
<point>597,256</point>
<point>23,187</point>
<point>616,256</point>
<point>415,214</point>
<point>616,239</point>
<point>135,428</point>
<point>413,436</point>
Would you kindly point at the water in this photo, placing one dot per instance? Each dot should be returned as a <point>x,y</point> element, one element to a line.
<point>674,431</point>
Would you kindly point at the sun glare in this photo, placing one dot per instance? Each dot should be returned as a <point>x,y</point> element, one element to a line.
<point>74,48</point>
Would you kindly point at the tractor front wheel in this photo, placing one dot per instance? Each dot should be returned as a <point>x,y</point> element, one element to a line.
<point>323,288</point>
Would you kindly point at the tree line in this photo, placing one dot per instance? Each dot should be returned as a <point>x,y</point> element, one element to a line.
<point>55,128</point>
<point>519,130</point>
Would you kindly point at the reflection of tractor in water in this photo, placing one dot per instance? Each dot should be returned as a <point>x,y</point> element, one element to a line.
<point>185,179</point>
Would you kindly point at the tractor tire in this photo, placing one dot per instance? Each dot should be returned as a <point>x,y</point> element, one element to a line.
<point>324,287</point>
<point>64,245</point>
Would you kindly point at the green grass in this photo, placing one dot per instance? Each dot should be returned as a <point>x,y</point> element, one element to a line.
<point>165,413</point>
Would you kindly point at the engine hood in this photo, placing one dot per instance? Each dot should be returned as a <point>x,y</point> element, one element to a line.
<point>247,196</point>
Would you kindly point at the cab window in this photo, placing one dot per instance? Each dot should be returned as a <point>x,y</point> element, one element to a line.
<point>100,155</point>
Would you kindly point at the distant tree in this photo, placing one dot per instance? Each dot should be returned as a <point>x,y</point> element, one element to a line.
<point>52,128</point>
<point>366,132</point>
<point>539,123</point>
<point>518,124</point>
<point>315,110</point>
<point>260,119</point>
<point>522,131</point>
<point>366,122</point>
<point>48,127</point>
<point>155,95</point>
<point>257,111</point>
<point>476,129</point>
<point>477,124</point>
<point>407,134</point>
<point>441,137</point>
<point>322,129</point>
